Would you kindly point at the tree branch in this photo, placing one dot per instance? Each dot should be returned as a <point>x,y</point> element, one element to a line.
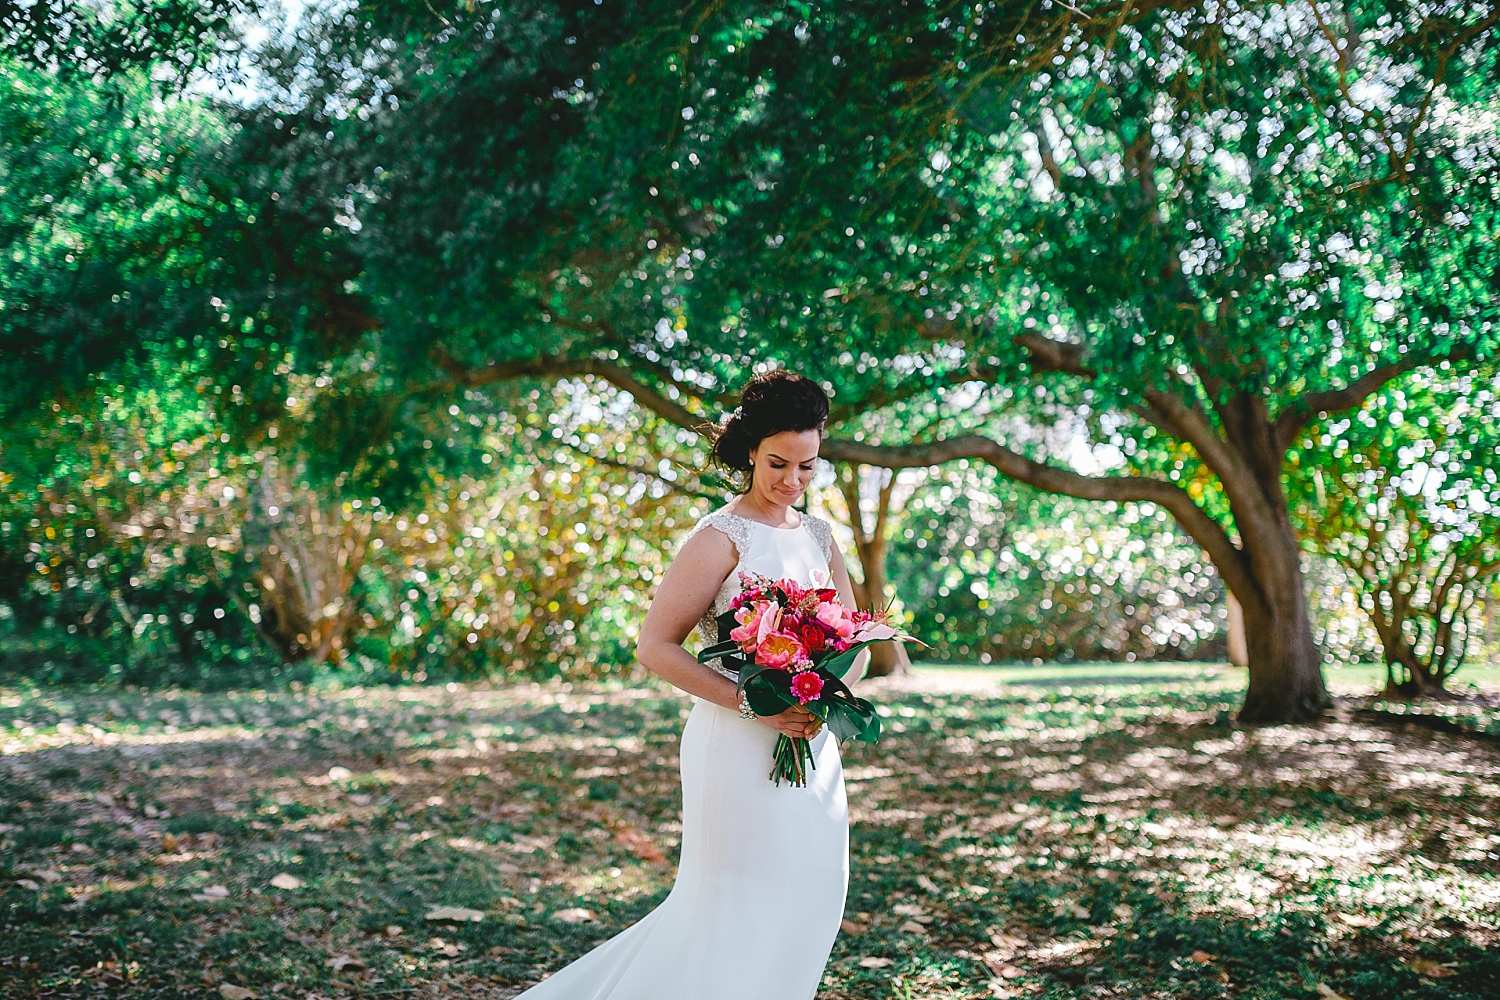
<point>1228,559</point>
<point>1048,355</point>
<point>1291,421</point>
<point>552,367</point>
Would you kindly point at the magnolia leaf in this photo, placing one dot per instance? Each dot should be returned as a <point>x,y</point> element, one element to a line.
<point>339,963</point>
<point>287,881</point>
<point>873,962</point>
<point>1329,993</point>
<point>228,991</point>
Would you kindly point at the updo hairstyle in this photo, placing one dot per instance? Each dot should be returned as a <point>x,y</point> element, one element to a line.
<point>772,402</point>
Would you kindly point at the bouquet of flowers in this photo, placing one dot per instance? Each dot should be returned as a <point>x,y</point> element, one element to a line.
<point>795,643</point>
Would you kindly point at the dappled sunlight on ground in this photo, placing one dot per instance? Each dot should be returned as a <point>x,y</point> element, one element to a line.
<point>1117,837</point>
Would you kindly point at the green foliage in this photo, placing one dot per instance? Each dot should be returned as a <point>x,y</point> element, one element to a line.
<point>118,534</point>
<point>173,37</point>
<point>1404,493</point>
<point>1222,210</point>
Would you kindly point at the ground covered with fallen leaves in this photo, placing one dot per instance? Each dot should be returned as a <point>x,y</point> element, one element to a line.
<point>1078,836</point>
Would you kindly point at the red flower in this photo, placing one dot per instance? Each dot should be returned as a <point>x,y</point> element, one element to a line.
<point>806,686</point>
<point>813,638</point>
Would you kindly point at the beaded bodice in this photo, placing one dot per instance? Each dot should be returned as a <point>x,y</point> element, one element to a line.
<point>802,553</point>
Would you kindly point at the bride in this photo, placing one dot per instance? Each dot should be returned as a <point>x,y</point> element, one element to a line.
<point>765,868</point>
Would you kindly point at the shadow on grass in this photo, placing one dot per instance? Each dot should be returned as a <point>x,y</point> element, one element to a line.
<point>1006,842</point>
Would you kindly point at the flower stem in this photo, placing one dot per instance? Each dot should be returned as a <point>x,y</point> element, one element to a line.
<point>792,760</point>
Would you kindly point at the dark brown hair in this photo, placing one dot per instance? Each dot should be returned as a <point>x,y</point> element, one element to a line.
<point>771,403</point>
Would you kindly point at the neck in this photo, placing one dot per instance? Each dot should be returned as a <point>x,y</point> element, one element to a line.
<point>768,510</point>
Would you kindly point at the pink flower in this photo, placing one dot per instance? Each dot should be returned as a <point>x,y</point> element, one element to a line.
<point>749,617</point>
<point>770,621</point>
<point>778,651</point>
<point>837,618</point>
<point>807,685</point>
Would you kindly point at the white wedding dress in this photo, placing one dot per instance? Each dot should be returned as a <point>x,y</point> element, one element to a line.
<point>765,868</point>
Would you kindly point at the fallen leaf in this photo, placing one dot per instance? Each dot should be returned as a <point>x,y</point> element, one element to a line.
<point>576,915</point>
<point>1432,970</point>
<point>640,844</point>
<point>851,926</point>
<point>1007,943</point>
<point>873,962</point>
<point>393,930</point>
<point>928,884</point>
<point>1201,957</point>
<point>212,892</point>
<point>339,774</point>
<point>108,972</point>
<point>339,963</point>
<point>286,881</point>
<point>1329,993</point>
<point>996,964</point>
<point>1069,908</point>
<point>169,844</point>
<point>231,992</point>
<point>912,927</point>
<point>456,913</point>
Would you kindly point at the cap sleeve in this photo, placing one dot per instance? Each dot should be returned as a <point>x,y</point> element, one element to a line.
<point>736,528</point>
<point>822,532</point>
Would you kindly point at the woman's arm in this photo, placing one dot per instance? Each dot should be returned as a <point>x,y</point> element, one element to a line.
<point>846,597</point>
<point>686,593</point>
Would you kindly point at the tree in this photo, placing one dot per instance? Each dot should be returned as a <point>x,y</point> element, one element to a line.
<point>1405,494</point>
<point>1163,220</point>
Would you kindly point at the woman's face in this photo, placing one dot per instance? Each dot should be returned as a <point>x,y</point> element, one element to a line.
<point>783,466</point>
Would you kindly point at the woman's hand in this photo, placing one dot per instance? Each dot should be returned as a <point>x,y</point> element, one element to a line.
<point>794,722</point>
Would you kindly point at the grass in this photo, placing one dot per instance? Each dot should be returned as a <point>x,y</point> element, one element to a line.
<point>1100,831</point>
<point>1342,679</point>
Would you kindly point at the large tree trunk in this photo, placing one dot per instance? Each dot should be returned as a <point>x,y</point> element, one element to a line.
<point>886,658</point>
<point>1286,675</point>
<point>1286,679</point>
